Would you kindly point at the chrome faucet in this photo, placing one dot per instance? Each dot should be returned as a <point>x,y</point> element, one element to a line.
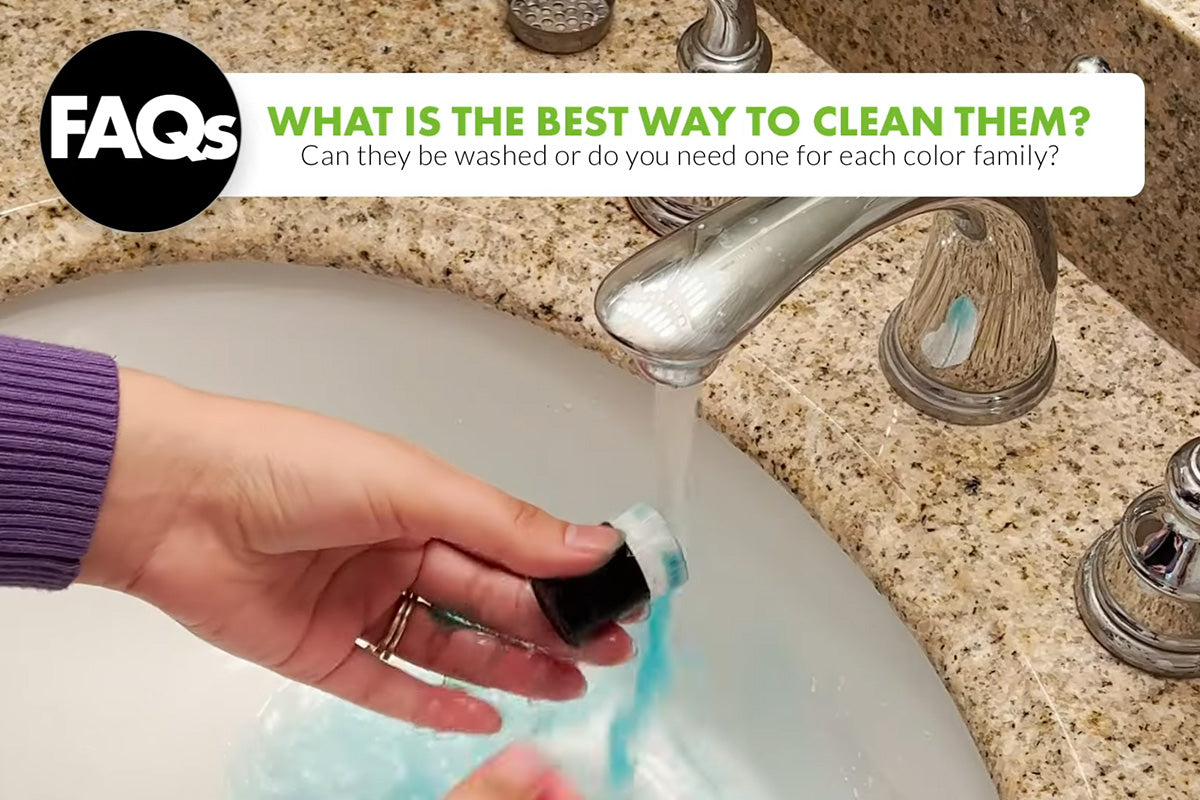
<point>1138,586</point>
<point>972,344</point>
<point>728,39</point>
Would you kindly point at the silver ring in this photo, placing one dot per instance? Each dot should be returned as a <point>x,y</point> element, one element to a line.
<point>385,648</point>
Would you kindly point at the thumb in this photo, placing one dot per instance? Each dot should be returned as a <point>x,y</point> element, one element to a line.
<point>517,773</point>
<point>445,503</point>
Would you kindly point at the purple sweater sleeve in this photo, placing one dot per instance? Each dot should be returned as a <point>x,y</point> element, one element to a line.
<point>58,425</point>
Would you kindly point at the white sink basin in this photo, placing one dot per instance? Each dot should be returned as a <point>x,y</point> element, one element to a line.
<point>822,690</point>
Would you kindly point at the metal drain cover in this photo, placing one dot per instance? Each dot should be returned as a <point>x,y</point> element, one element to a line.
<point>560,26</point>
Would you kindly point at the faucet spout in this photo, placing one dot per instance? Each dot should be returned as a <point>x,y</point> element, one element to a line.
<point>972,344</point>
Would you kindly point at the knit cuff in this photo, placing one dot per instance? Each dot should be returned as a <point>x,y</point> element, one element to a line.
<point>58,426</point>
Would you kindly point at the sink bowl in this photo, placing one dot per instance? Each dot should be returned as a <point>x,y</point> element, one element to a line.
<point>808,677</point>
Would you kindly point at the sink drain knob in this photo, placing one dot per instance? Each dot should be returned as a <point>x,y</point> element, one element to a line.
<point>560,26</point>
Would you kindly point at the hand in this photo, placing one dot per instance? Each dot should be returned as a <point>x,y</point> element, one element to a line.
<point>518,773</point>
<point>283,537</point>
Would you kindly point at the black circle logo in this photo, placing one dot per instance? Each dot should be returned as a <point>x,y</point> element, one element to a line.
<point>140,131</point>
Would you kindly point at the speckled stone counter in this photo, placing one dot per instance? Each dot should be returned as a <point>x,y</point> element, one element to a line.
<point>973,534</point>
<point>1183,14</point>
<point>1144,250</point>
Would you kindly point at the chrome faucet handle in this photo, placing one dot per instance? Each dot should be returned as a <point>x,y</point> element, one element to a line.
<point>1138,585</point>
<point>727,39</point>
<point>1089,65</point>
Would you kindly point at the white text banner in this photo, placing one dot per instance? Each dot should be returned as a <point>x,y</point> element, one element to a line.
<point>532,135</point>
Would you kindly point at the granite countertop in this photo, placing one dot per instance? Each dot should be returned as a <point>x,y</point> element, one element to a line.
<point>973,534</point>
<point>1185,14</point>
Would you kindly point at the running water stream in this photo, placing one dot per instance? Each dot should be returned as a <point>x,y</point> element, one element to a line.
<point>674,431</point>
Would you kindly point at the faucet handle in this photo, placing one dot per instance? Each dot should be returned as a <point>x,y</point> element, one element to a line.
<point>1183,483</point>
<point>728,39</point>
<point>1089,65</point>
<point>1138,585</point>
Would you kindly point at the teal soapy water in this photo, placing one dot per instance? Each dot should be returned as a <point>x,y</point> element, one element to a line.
<point>310,746</point>
<point>652,681</point>
<point>314,747</point>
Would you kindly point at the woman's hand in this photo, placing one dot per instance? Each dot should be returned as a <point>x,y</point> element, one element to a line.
<point>283,537</point>
<point>518,773</point>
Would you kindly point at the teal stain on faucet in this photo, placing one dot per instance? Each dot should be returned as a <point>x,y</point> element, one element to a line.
<point>951,344</point>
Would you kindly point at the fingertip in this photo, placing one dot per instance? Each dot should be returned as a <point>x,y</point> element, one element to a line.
<point>639,614</point>
<point>465,714</point>
<point>526,539</point>
<point>518,772</point>
<point>568,683</point>
<point>555,787</point>
<point>522,767</point>
<point>582,549</point>
<point>520,764</point>
<point>489,720</point>
<point>611,646</point>
<point>595,540</point>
